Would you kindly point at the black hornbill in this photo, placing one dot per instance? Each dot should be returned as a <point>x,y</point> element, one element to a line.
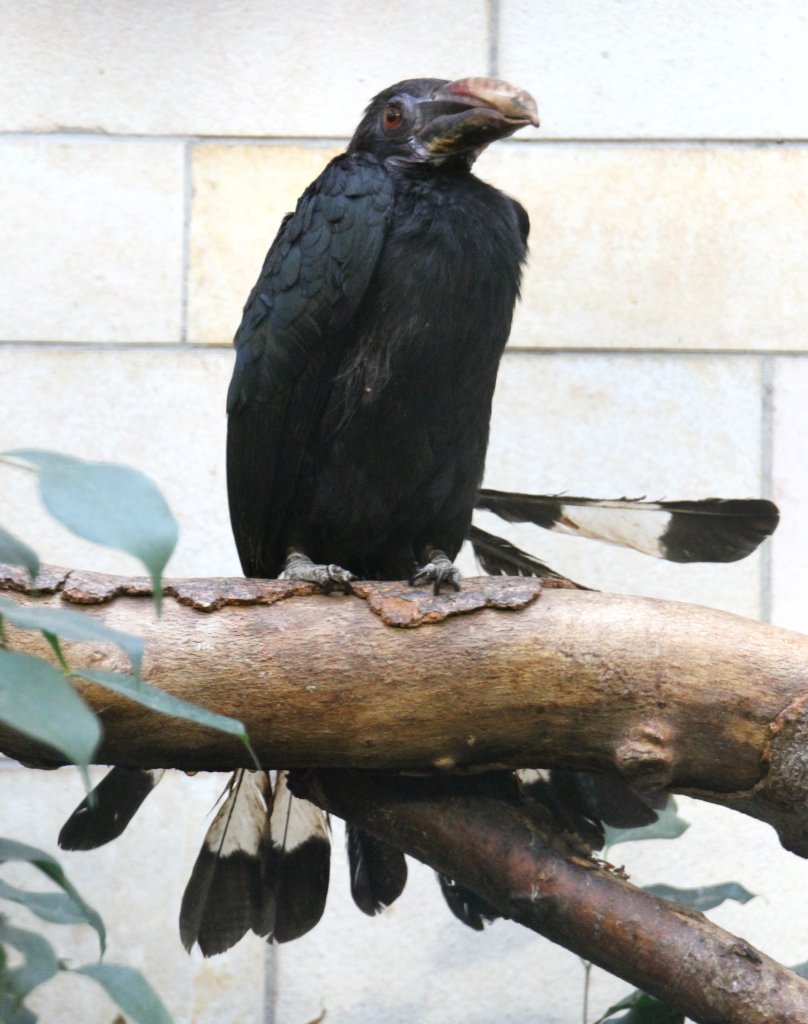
<point>368,352</point>
<point>358,424</point>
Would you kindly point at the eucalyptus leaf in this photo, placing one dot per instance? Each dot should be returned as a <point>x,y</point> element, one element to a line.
<point>12,1011</point>
<point>37,700</point>
<point>39,959</point>
<point>642,1009</point>
<point>801,969</point>
<point>56,907</point>
<point>667,826</point>
<point>109,504</point>
<point>166,704</point>
<point>12,850</point>
<point>130,990</point>
<point>71,625</point>
<point>705,897</point>
<point>13,551</point>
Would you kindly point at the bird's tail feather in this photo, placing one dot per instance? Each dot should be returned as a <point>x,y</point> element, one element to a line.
<point>226,896</point>
<point>263,866</point>
<point>498,557</point>
<point>378,870</point>
<point>466,905</point>
<point>104,815</point>
<point>707,530</point>
<point>299,864</point>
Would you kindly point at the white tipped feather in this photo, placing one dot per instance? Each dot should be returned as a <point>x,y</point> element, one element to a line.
<point>295,821</point>
<point>625,527</point>
<point>240,821</point>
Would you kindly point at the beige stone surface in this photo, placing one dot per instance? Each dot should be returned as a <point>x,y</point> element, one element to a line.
<point>136,884</point>
<point>160,411</point>
<point>730,69</point>
<point>790,487</point>
<point>92,240</point>
<point>607,425</point>
<point>237,68</point>
<point>660,246</point>
<point>240,195</point>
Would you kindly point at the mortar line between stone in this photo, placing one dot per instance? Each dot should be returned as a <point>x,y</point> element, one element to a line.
<point>185,267</point>
<point>340,140</point>
<point>493,38</point>
<point>766,477</point>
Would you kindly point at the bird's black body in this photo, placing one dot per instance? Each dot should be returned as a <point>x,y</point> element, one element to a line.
<point>396,461</point>
<point>366,364</point>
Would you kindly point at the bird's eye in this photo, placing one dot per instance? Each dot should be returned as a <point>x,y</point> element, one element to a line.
<point>392,116</point>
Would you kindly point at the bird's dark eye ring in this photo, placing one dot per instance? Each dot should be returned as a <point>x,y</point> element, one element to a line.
<point>392,116</point>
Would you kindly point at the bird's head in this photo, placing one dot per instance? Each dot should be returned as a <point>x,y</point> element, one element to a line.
<point>431,120</point>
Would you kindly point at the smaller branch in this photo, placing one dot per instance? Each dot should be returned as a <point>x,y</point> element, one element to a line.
<point>537,878</point>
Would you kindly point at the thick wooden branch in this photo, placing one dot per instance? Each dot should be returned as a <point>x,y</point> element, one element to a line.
<point>671,695</point>
<point>531,875</point>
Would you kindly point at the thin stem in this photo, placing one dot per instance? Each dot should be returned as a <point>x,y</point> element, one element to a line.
<point>5,460</point>
<point>587,976</point>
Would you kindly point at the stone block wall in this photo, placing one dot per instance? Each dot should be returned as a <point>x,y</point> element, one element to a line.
<point>147,154</point>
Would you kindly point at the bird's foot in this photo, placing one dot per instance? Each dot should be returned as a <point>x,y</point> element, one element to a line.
<point>439,570</point>
<point>301,568</point>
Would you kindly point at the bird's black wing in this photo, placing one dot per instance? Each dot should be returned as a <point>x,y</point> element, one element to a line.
<point>287,346</point>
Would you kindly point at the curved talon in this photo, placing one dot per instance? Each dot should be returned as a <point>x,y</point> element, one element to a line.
<point>301,568</point>
<point>337,575</point>
<point>439,569</point>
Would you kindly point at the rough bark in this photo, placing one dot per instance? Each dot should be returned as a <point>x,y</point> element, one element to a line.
<point>502,675</point>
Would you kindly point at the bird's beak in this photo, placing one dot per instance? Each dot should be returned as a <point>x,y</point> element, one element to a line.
<point>466,115</point>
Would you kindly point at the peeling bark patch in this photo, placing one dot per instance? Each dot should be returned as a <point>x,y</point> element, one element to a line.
<point>209,595</point>
<point>97,588</point>
<point>205,595</point>
<point>398,604</point>
<point>50,579</point>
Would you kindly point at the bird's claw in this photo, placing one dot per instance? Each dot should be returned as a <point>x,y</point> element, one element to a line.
<point>334,576</point>
<point>326,577</point>
<point>439,570</point>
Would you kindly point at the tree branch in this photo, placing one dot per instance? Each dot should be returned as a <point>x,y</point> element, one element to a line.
<point>672,696</point>
<point>532,875</point>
